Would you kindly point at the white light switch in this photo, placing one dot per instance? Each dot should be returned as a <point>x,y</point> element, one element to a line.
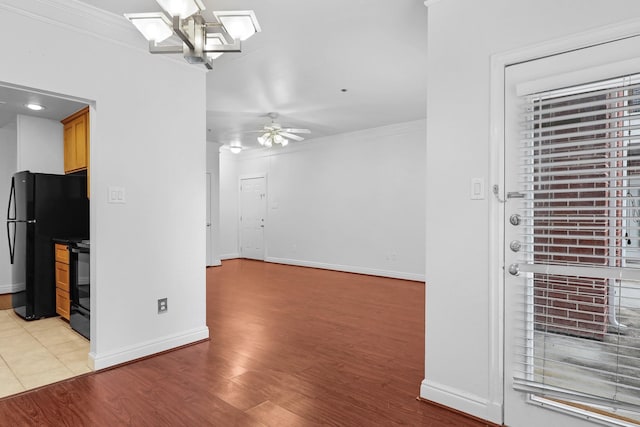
<point>116,195</point>
<point>477,189</point>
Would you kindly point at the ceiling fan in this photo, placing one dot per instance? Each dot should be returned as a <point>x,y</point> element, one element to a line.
<point>274,133</point>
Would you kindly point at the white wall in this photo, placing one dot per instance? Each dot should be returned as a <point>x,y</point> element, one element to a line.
<point>147,136</point>
<point>350,202</point>
<point>40,145</point>
<point>462,368</point>
<point>7,169</point>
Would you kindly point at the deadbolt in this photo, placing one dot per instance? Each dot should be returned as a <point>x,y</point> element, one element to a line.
<point>514,219</point>
<point>515,245</point>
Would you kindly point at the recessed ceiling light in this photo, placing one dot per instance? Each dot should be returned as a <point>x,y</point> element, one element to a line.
<point>34,107</point>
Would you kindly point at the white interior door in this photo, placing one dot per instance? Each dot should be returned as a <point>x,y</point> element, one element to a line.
<point>525,405</point>
<point>208,225</point>
<point>253,208</point>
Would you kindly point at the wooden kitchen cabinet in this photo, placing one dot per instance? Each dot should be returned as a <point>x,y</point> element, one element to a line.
<point>76,141</point>
<point>62,280</point>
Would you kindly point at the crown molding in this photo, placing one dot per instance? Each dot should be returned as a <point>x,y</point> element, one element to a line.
<point>85,19</point>
<point>77,16</point>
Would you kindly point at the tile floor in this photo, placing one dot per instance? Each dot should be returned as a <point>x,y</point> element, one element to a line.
<point>40,352</point>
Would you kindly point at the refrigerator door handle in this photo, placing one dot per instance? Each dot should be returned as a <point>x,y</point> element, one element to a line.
<point>11,219</point>
<point>12,242</point>
<point>12,198</point>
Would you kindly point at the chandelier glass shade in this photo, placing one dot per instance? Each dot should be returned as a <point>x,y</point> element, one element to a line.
<point>181,8</point>
<point>199,40</point>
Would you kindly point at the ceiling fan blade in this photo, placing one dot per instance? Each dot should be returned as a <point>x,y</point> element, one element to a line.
<point>297,130</point>
<point>291,136</point>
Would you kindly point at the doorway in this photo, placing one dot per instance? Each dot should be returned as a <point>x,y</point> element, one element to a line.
<point>253,208</point>
<point>33,140</point>
<point>571,338</point>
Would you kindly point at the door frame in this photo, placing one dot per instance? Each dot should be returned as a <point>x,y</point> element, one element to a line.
<point>266,211</point>
<point>499,62</point>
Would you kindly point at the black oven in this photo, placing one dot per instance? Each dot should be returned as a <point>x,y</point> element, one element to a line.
<point>80,291</point>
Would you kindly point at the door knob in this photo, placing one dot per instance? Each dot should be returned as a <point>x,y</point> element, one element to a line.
<point>514,269</point>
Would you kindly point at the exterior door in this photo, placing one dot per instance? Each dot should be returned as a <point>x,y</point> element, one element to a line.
<point>253,208</point>
<point>560,289</point>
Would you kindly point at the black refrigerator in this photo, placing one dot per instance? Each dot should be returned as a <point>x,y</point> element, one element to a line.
<point>41,207</point>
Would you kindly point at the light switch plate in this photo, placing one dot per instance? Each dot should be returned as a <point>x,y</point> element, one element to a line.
<point>116,195</point>
<point>477,189</point>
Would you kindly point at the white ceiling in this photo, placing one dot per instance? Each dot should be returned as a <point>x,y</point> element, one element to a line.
<point>307,52</point>
<point>13,101</point>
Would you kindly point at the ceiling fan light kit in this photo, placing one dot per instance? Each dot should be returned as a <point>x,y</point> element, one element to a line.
<point>202,40</point>
<point>274,133</point>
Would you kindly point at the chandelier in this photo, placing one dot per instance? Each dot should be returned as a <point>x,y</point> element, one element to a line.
<point>202,40</point>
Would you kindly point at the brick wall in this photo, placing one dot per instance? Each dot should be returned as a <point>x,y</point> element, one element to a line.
<point>570,228</point>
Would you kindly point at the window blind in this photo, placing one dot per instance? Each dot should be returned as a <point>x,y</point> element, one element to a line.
<point>580,245</point>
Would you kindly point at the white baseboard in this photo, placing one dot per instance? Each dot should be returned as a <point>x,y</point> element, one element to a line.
<point>215,263</point>
<point>461,401</point>
<point>349,269</point>
<point>11,288</point>
<point>127,354</point>
<point>229,256</point>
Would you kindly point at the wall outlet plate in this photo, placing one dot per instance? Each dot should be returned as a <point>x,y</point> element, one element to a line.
<point>162,305</point>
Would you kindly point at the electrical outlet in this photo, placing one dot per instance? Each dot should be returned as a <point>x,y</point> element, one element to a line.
<point>162,305</point>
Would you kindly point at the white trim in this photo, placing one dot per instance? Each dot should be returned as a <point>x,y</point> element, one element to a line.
<point>129,353</point>
<point>575,78</point>
<point>582,40</point>
<point>461,401</point>
<point>10,288</point>
<point>392,130</point>
<point>234,255</point>
<point>80,17</point>
<point>496,238</point>
<point>428,3</point>
<point>499,62</point>
<point>349,269</point>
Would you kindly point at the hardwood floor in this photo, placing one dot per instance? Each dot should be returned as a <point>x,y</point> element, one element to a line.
<point>290,346</point>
